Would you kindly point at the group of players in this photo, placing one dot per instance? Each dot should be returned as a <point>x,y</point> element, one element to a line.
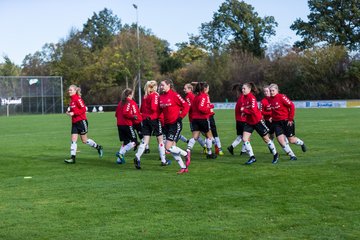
<point>274,116</point>
<point>161,114</point>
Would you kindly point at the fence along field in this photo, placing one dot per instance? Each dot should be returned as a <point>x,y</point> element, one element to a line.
<point>315,197</point>
<point>31,95</point>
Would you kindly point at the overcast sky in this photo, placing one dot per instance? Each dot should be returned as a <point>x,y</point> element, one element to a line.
<point>26,25</point>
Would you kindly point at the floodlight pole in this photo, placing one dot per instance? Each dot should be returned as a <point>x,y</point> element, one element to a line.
<point>138,46</point>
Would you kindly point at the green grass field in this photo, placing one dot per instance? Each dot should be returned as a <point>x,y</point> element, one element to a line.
<point>315,197</point>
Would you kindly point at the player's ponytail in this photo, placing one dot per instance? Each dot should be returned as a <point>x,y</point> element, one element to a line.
<point>150,86</point>
<point>200,86</point>
<point>253,87</point>
<point>77,89</point>
<point>125,94</point>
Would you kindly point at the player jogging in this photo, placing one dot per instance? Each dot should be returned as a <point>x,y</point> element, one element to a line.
<point>283,112</point>
<point>253,122</point>
<point>151,124</point>
<point>77,112</point>
<point>174,108</point>
<point>126,113</point>
<point>201,112</point>
<point>240,121</point>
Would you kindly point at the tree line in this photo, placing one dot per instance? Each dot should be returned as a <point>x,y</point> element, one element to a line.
<point>103,57</point>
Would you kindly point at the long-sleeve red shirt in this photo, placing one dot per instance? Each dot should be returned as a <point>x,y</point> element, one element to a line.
<point>126,112</point>
<point>251,110</point>
<point>77,106</point>
<point>265,108</point>
<point>282,108</point>
<point>150,107</point>
<point>201,107</point>
<point>239,115</point>
<point>189,99</point>
<point>173,106</point>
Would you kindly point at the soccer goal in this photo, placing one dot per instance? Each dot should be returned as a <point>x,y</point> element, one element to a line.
<point>31,95</point>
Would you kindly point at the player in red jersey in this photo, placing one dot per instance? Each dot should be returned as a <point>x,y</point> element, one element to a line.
<point>201,112</point>
<point>266,112</point>
<point>174,108</point>
<point>216,138</point>
<point>189,97</point>
<point>283,112</point>
<point>151,124</point>
<point>77,112</point>
<point>253,122</point>
<point>127,112</point>
<point>240,121</point>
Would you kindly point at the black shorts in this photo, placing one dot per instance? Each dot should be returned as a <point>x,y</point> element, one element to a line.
<point>240,127</point>
<point>213,126</point>
<point>191,127</point>
<point>151,128</point>
<point>260,128</point>
<point>201,125</point>
<point>172,131</point>
<point>126,134</point>
<point>138,129</point>
<point>80,127</point>
<point>270,126</point>
<point>282,127</point>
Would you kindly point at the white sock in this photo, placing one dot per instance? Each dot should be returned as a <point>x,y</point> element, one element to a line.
<point>129,146</point>
<point>272,147</point>
<point>147,146</point>
<point>288,150</point>
<point>299,142</point>
<point>140,150</point>
<point>237,141</point>
<point>209,145</point>
<point>243,148</point>
<point>182,138</point>
<point>200,140</point>
<point>91,143</point>
<point>122,149</point>
<point>179,160</point>
<point>217,142</point>
<point>177,150</point>
<point>162,152</point>
<point>191,143</point>
<point>248,148</point>
<point>73,148</point>
<point>126,148</point>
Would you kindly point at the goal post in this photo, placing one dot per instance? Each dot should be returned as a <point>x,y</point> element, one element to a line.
<point>31,95</point>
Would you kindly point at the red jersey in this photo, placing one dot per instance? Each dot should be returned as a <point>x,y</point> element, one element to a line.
<point>189,99</point>
<point>239,116</point>
<point>139,117</point>
<point>173,106</point>
<point>282,108</point>
<point>127,112</point>
<point>150,106</point>
<point>212,109</point>
<point>251,110</point>
<point>201,106</point>
<point>77,106</point>
<point>265,108</point>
